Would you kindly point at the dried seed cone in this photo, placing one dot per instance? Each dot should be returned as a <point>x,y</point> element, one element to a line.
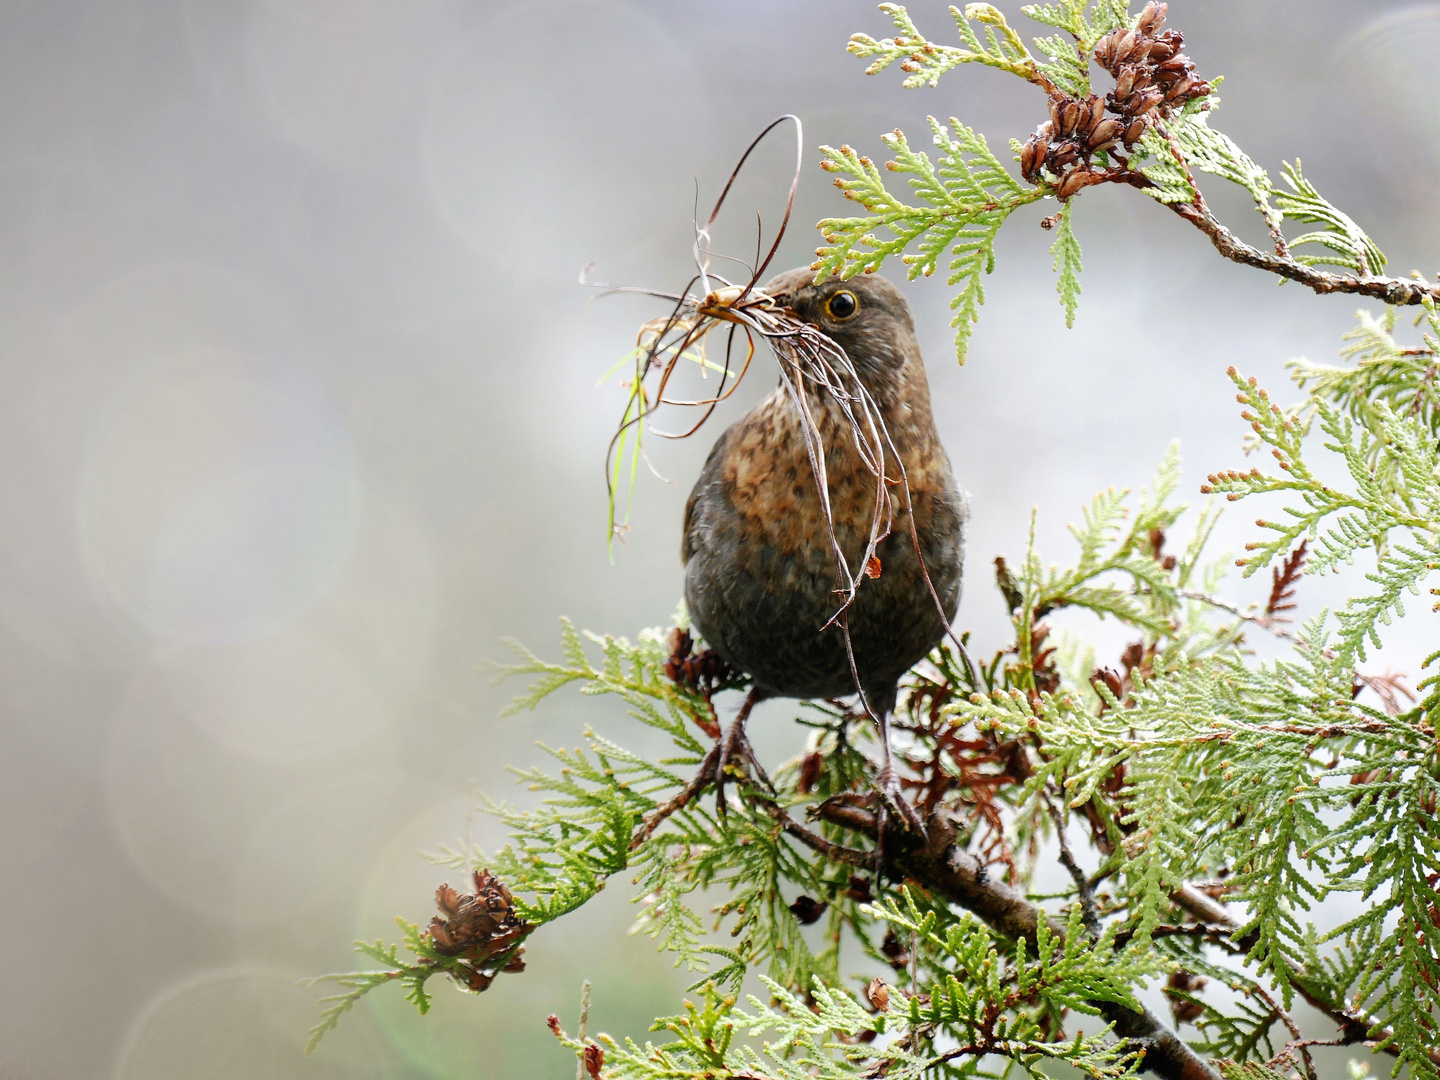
<point>701,672</point>
<point>1153,80</point>
<point>1152,18</point>
<point>1062,156</point>
<point>1071,183</point>
<point>1105,133</point>
<point>1070,113</point>
<point>1030,157</point>
<point>1166,46</point>
<point>1034,153</point>
<point>482,928</point>
<point>879,995</point>
<point>1147,65</point>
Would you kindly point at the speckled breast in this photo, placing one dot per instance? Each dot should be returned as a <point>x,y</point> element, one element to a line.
<point>761,575</point>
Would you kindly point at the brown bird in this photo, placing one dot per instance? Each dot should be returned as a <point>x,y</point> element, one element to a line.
<point>760,569</point>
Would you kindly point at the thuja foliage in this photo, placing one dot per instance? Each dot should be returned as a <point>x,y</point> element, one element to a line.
<point>1226,806</point>
<point>1150,131</point>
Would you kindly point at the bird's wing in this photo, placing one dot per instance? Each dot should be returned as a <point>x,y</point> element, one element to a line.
<point>708,486</point>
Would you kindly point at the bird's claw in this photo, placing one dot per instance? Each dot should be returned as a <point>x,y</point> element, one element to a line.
<point>734,746</point>
<point>692,790</point>
<point>890,804</point>
<point>727,746</point>
<point>887,784</point>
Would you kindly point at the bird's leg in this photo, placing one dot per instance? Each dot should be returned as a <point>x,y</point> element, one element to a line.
<point>735,744</point>
<point>892,797</point>
<point>657,817</point>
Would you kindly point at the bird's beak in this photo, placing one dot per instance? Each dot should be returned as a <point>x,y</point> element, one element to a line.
<point>720,304</point>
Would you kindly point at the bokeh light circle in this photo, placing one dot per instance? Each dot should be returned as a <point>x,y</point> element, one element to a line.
<point>492,145</point>
<point>1392,61</point>
<point>216,501</point>
<point>239,1023</point>
<point>284,697</point>
<point>345,81</point>
<point>235,838</point>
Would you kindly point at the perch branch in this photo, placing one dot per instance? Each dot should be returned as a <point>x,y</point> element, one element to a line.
<point>1392,290</point>
<point>948,870</point>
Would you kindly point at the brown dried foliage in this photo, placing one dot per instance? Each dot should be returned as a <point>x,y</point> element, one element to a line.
<point>703,673</point>
<point>1389,688</point>
<point>1185,982</point>
<point>481,928</point>
<point>966,768</point>
<point>807,910</point>
<point>594,1061</point>
<point>1282,584</point>
<point>895,951</point>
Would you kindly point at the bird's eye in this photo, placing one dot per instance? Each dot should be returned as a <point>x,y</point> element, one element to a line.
<point>842,305</point>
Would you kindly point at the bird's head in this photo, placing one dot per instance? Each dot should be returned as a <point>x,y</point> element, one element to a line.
<point>866,316</point>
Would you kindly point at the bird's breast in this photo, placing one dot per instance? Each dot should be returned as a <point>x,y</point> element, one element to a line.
<point>768,480</point>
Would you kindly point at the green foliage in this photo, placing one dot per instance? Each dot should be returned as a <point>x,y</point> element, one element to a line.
<point>967,196</point>
<point>1346,241</point>
<point>1085,21</point>
<point>1270,756</point>
<point>1393,464</point>
<point>926,61</point>
<point>565,850</point>
<point>1163,164</point>
<point>1121,572</point>
<point>1281,782</point>
<point>356,984</point>
<point>1066,250</point>
<point>982,1003</point>
<point>1287,780</point>
<point>1199,147</point>
<point>1193,145</point>
<point>1386,373</point>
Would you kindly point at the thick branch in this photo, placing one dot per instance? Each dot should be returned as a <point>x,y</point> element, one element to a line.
<point>945,868</point>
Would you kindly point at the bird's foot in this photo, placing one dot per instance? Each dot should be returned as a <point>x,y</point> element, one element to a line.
<point>704,777</point>
<point>891,810</point>
<point>731,748</point>
<point>735,747</point>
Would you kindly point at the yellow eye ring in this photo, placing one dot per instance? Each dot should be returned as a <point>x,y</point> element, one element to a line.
<point>842,305</point>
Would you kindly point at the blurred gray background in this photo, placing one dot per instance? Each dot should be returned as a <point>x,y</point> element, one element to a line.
<point>300,417</point>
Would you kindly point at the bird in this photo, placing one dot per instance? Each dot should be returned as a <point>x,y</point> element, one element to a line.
<point>760,569</point>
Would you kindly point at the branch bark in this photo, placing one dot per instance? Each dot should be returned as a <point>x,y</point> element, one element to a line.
<point>1392,290</point>
<point>1399,291</point>
<point>1355,1026</point>
<point>948,870</point>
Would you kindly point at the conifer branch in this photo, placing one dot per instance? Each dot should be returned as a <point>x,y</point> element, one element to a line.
<point>1185,758</point>
<point>1150,132</point>
<point>1219,927</point>
<point>947,869</point>
<point>1401,292</point>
